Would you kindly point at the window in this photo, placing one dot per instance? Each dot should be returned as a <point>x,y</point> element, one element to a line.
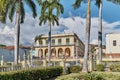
<point>67,41</point>
<point>46,42</point>
<point>53,42</point>
<point>59,41</point>
<point>114,43</point>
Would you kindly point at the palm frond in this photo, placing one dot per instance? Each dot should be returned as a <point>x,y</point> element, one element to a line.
<point>77,4</point>
<point>59,8</point>
<point>32,6</point>
<point>47,14</point>
<point>38,38</point>
<point>39,2</point>
<point>4,10</point>
<point>12,10</point>
<point>44,6</point>
<point>56,19</point>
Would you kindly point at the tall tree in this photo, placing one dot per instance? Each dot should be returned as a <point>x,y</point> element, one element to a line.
<point>99,4</point>
<point>48,15</point>
<point>17,7</point>
<point>39,39</point>
<point>88,25</point>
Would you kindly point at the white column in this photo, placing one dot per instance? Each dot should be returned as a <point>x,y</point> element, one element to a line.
<point>72,52</point>
<point>77,52</point>
<point>43,53</point>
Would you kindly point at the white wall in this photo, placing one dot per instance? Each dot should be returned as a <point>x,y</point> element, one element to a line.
<point>109,43</point>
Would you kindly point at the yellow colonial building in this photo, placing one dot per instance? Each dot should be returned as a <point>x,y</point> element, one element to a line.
<point>68,44</point>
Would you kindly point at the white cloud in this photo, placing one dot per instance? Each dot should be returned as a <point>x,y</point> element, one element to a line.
<point>31,28</point>
<point>94,41</point>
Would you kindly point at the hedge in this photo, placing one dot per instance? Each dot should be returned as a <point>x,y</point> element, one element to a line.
<point>32,74</point>
<point>72,76</point>
<point>115,67</point>
<point>75,69</point>
<point>81,76</point>
<point>100,67</point>
<point>91,76</point>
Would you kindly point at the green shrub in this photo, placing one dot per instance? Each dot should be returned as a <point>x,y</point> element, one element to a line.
<point>72,76</point>
<point>115,67</point>
<point>75,69</point>
<point>38,63</point>
<point>9,64</point>
<point>81,76</point>
<point>100,67</point>
<point>32,74</point>
<point>93,76</point>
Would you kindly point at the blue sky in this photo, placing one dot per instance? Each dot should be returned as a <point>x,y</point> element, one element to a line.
<point>71,21</point>
<point>111,11</point>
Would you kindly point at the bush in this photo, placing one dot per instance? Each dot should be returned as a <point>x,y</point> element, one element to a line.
<point>9,64</point>
<point>91,76</point>
<point>115,67</point>
<point>100,67</point>
<point>72,76</point>
<point>81,76</point>
<point>32,74</point>
<point>75,69</point>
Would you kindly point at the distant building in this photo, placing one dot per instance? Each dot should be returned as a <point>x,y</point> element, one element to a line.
<point>8,52</point>
<point>113,45</point>
<point>60,43</point>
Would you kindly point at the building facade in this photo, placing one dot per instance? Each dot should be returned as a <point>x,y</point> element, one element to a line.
<point>68,44</point>
<point>113,45</point>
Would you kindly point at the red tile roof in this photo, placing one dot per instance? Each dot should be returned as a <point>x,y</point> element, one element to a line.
<point>10,47</point>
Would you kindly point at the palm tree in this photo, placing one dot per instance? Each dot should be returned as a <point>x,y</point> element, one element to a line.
<point>3,10</point>
<point>17,7</point>
<point>47,15</point>
<point>39,39</point>
<point>99,4</point>
<point>88,25</point>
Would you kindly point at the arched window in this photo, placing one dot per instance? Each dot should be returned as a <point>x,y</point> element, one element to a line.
<point>53,52</point>
<point>46,52</point>
<point>60,52</point>
<point>40,53</point>
<point>67,52</point>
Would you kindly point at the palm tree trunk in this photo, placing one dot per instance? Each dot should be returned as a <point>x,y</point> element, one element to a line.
<point>49,44</point>
<point>17,35</point>
<point>88,24</point>
<point>100,34</point>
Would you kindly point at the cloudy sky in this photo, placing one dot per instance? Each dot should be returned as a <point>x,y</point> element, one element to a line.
<point>71,21</point>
